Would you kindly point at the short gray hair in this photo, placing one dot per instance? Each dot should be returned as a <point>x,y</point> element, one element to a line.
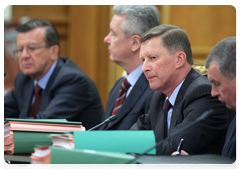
<point>174,38</point>
<point>224,54</point>
<point>139,18</point>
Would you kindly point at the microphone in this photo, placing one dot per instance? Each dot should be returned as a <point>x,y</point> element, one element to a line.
<point>200,118</point>
<point>109,119</point>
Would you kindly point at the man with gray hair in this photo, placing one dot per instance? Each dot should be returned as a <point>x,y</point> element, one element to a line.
<point>181,95</point>
<point>221,64</point>
<point>126,28</point>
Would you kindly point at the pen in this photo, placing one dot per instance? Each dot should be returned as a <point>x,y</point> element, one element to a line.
<point>179,147</point>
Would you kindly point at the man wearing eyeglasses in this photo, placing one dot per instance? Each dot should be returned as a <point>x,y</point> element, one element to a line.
<point>65,91</point>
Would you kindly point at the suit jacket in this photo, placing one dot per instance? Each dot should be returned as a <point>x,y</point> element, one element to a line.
<point>70,94</point>
<point>136,104</point>
<point>194,98</point>
<point>229,148</point>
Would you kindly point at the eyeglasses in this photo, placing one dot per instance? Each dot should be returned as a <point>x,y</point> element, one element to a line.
<point>29,49</point>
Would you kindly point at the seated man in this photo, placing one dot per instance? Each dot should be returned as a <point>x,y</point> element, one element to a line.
<point>167,59</point>
<point>126,27</point>
<point>65,91</point>
<point>221,64</point>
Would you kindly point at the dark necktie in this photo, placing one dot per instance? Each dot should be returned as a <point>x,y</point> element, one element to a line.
<point>36,104</point>
<point>121,96</point>
<point>166,107</point>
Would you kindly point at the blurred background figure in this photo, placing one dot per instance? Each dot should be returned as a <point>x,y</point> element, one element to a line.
<point>62,90</point>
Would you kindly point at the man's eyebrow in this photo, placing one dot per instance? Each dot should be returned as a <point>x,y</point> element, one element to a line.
<point>214,81</point>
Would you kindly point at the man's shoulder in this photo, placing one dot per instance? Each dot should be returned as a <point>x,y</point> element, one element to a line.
<point>66,66</point>
<point>22,78</point>
<point>66,62</point>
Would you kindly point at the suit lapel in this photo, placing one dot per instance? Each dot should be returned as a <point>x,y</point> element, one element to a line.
<point>160,122</point>
<point>230,136</point>
<point>192,75</point>
<point>28,95</point>
<point>45,98</point>
<point>131,100</point>
<point>156,114</point>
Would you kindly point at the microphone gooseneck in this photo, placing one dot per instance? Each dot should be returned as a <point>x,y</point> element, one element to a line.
<point>200,118</point>
<point>109,119</point>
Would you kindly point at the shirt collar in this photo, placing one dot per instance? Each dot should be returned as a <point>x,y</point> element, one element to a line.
<point>174,94</point>
<point>44,80</point>
<point>134,75</point>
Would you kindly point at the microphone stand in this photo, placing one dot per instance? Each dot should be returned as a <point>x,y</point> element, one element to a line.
<point>110,119</point>
<point>202,117</point>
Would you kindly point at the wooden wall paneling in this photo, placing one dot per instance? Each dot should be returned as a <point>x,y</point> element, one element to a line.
<point>88,25</point>
<point>206,25</point>
<point>103,54</point>
<point>56,14</point>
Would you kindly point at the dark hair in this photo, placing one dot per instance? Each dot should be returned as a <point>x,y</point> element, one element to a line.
<point>224,54</point>
<point>51,34</point>
<point>174,38</point>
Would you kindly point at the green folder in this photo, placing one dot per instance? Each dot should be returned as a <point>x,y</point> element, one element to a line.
<point>76,156</point>
<point>115,141</point>
<point>24,142</point>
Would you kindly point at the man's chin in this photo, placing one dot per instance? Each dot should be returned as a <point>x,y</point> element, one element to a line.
<point>229,106</point>
<point>28,72</point>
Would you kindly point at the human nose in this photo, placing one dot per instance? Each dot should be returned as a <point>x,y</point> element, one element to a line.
<point>214,91</point>
<point>146,66</point>
<point>107,39</point>
<point>25,52</point>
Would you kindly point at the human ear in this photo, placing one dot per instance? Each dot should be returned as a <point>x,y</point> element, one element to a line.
<point>135,43</point>
<point>54,51</point>
<point>180,59</point>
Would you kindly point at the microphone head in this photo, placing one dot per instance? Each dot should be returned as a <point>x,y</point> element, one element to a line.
<point>206,114</point>
<point>112,118</point>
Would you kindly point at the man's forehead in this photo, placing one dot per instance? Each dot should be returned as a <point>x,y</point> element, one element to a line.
<point>213,72</point>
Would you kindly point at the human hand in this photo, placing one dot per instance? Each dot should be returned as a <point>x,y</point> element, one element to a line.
<point>181,153</point>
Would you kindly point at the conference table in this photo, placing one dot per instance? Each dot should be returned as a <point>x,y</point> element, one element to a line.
<point>148,159</point>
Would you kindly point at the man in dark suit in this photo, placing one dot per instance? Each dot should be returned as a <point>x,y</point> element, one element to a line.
<point>66,92</point>
<point>221,64</point>
<point>167,59</point>
<point>126,27</point>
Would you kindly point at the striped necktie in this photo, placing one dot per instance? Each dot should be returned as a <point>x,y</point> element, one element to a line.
<point>121,96</point>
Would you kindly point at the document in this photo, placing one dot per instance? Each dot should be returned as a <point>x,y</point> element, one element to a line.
<point>45,125</point>
<point>28,133</point>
